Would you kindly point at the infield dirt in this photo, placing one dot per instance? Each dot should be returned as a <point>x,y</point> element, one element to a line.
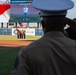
<point>14,43</point>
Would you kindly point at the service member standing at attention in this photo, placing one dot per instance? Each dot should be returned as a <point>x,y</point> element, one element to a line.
<point>54,53</point>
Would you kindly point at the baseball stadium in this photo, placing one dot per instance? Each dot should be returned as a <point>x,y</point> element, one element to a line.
<point>16,32</point>
<point>10,41</point>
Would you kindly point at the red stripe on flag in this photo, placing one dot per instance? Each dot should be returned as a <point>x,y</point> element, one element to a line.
<point>4,7</point>
<point>19,31</point>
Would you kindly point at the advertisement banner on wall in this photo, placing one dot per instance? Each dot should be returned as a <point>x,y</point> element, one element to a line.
<point>20,1</point>
<point>28,31</point>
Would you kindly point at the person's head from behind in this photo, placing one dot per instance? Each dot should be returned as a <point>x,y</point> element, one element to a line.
<point>53,13</point>
<point>53,23</point>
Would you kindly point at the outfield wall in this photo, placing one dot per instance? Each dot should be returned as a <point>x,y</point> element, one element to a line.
<point>29,31</point>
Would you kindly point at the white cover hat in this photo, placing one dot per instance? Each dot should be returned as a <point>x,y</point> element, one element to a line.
<point>53,7</point>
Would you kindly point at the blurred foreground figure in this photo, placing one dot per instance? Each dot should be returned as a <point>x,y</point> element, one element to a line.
<point>54,53</point>
<point>72,29</point>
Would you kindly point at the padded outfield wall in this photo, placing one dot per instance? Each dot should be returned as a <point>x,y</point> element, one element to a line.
<point>29,31</point>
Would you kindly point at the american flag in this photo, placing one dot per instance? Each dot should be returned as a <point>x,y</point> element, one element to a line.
<point>4,12</point>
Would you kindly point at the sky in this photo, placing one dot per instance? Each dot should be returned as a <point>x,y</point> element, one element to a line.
<point>72,12</point>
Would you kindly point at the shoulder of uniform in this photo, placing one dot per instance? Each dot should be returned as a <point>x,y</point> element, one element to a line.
<point>33,45</point>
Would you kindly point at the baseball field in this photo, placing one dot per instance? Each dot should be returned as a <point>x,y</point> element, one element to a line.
<point>9,48</point>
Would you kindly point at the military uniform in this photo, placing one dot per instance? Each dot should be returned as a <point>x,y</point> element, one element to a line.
<point>52,54</point>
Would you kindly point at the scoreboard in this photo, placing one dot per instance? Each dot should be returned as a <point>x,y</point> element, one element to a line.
<point>20,1</point>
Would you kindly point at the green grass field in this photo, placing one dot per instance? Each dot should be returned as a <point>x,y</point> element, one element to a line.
<point>11,37</point>
<point>7,58</point>
<point>8,54</point>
